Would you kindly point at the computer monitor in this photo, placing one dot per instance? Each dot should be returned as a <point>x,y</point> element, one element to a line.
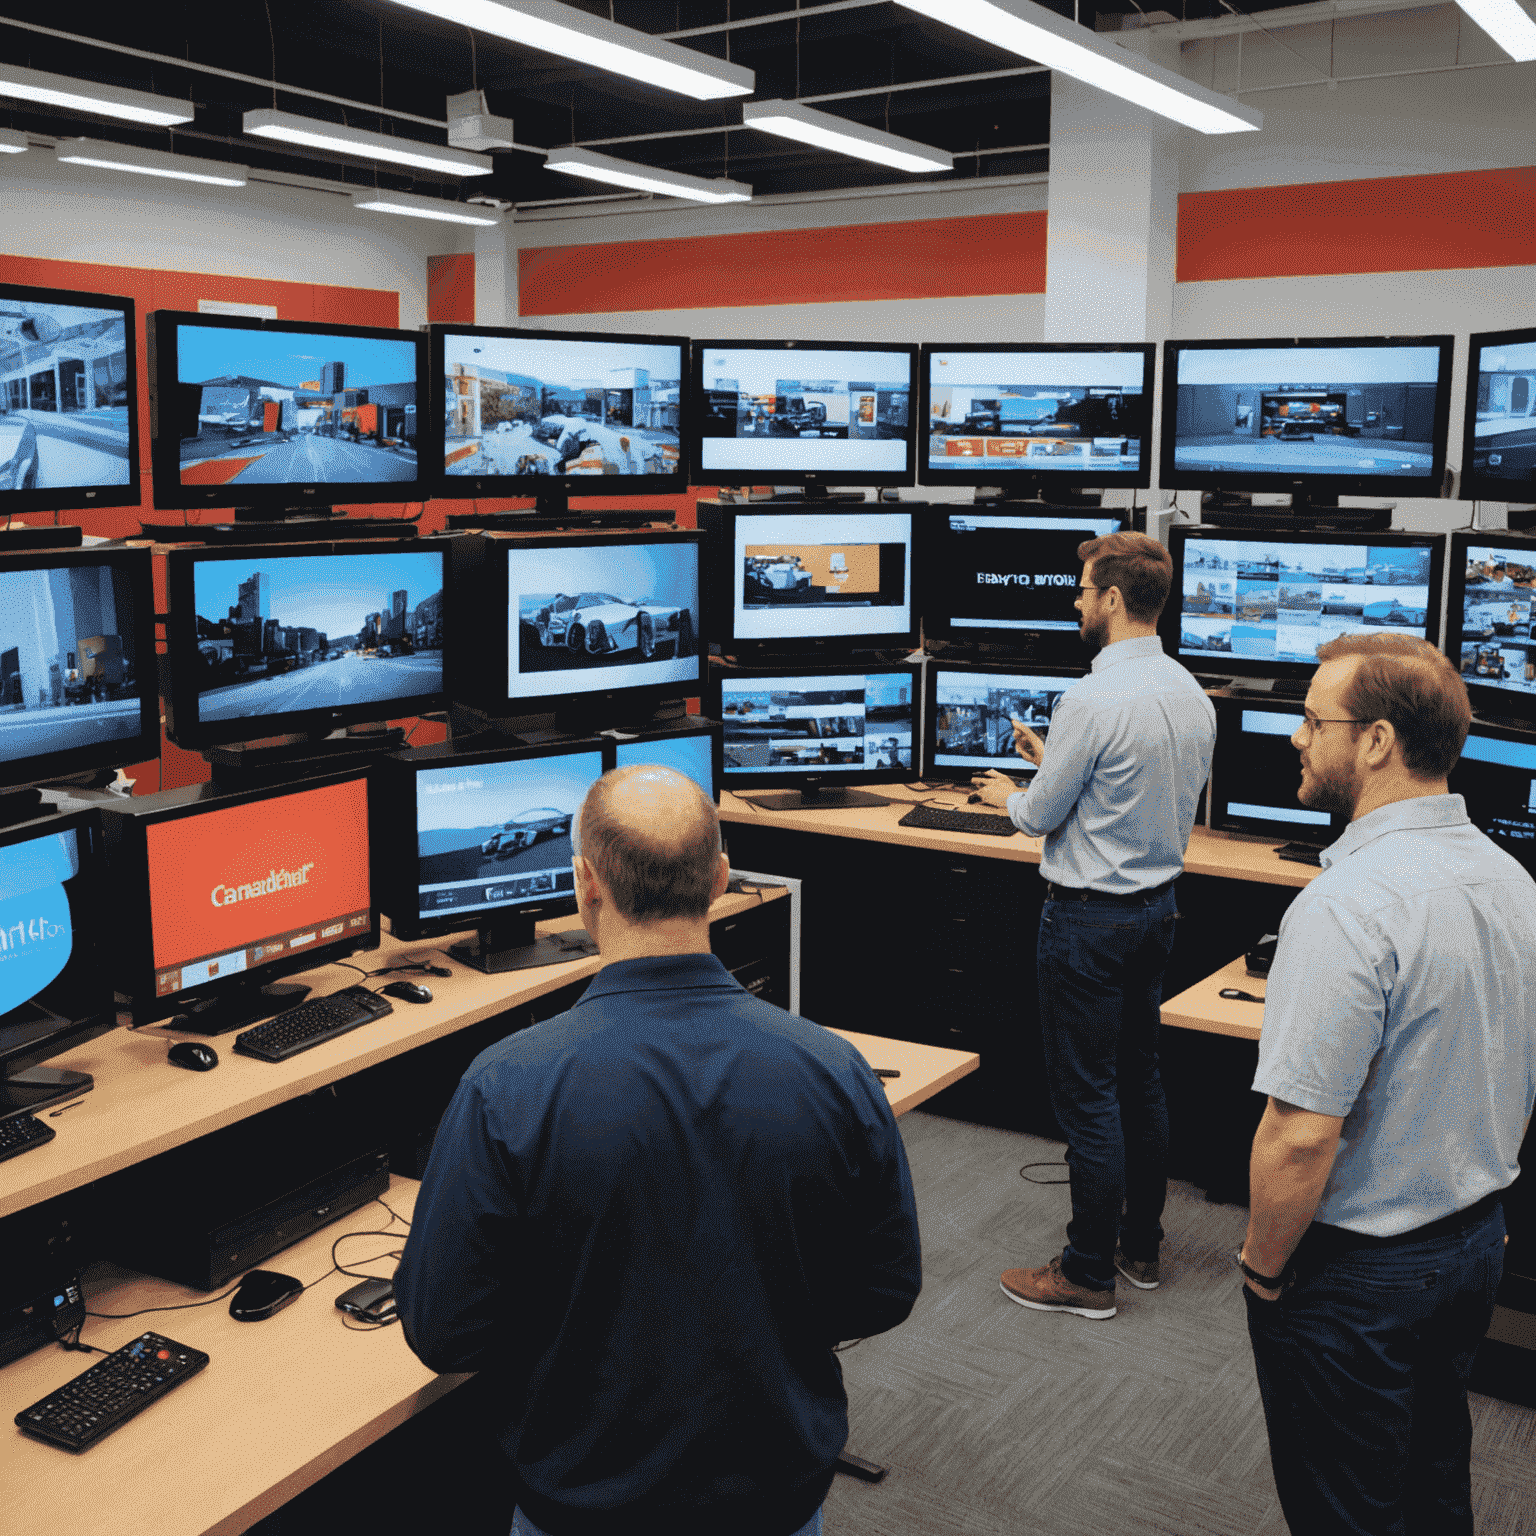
<point>279,414</point>
<point>265,639</point>
<point>1000,578</point>
<point>1496,776</point>
<point>553,414</point>
<point>822,730</point>
<point>594,624</point>
<point>1255,773</point>
<point>77,676</point>
<point>69,421</point>
<point>969,712</point>
<point>55,987</point>
<point>1498,446</point>
<point>1033,418</point>
<point>482,840</point>
<point>217,896</point>
<point>1488,620</point>
<point>815,413</point>
<point>695,749</point>
<point>1259,604</point>
<point>1360,416</point>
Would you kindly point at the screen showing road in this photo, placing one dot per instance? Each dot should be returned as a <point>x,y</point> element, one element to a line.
<point>278,633</point>
<point>974,714</point>
<point>1496,595</point>
<point>1504,432</point>
<point>793,724</point>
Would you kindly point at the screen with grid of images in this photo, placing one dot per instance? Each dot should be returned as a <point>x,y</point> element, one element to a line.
<point>1496,648</point>
<point>855,722</point>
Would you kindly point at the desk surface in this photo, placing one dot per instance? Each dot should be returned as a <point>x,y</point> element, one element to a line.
<point>1203,1008</point>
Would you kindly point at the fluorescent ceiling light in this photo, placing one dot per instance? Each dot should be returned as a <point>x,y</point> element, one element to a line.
<point>88,96</point>
<point>12,142</point>
<point>790,120</point>
<point>580,38</point>
<point>149,162</point>
<point>623,173</point>
<point>269,123</point>
<point>426,208</point>
<point>1033,32</point>
<point>1507,24</point>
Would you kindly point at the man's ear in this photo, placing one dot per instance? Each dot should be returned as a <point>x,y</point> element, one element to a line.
<point>722,878</point>
<point>586,879</point>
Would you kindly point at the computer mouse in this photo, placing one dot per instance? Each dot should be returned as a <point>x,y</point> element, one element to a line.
<point>408,991</point>
<point>194,1055</point>
<point>263,1292</point>
<point>973,799</point>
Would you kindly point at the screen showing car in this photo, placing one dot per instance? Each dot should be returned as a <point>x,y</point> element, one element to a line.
<point>1496,646</point>
<point>854,722</point>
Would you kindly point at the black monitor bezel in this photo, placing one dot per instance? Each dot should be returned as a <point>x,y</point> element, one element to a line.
<point>128,862</point>
<point>144,745</point>
<point>86,498</point>
<point>183,722</point>
<point>543,486</point>
<point>1480,485</point>
<point>1140,479</point>
<point>1485,698</point>
<point>697,725</point>
<point>789,476</point>
<point>1170,478</point>
<point>1496,730</point>
<point>795,778</point>
<point>1222,820</point>
<point>1004,667</point>
<point>165,449</point>
<point>1179,536</point>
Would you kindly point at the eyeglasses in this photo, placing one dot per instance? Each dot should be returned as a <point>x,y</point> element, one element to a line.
<point>1093,589</point>
<point>1309,723</point>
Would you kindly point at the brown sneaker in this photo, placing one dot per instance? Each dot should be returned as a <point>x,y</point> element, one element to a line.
<point>1047,1289</point>
<point>1145,1277</point>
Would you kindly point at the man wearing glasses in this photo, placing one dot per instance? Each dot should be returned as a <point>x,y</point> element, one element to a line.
<point>1399,1057</point>
<point>1114,795</point>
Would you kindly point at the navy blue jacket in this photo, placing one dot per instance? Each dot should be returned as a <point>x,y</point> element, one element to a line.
<point>652,1216</point>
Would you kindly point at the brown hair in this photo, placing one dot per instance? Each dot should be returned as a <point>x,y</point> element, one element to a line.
<point>1408,683</point>
<point>1139,566</point>
<point>655,869</point>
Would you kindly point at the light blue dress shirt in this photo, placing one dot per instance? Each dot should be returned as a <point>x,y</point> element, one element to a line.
<point>1128,750</point>
<point>1403,997</point>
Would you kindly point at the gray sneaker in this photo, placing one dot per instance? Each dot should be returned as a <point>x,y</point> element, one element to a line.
<point>1145,1277</point>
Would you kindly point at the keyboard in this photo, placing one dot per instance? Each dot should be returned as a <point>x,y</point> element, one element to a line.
<point>111,1392</point>
<point>21,1133</point>
<point>1301,853</point>
<point>935,819</point>
<point>312,1023</point>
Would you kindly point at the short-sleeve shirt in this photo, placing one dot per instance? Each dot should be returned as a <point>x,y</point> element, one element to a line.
<point>1403,998</point>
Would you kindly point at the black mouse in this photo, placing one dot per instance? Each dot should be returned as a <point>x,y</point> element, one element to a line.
<point>263,1292</point>
<point>193,1054</point>
<point>973,799</point>
<point>408,991</point>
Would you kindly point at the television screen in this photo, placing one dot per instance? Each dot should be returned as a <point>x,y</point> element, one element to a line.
<point>1496,776</point>
<point>808,411</point>
<point>823,723</point>
<point>692,754</point>
<point>1493,646</point>
<point>1255,773</point>
<point>973,709</point>
<point>68,418</point>
<point>1080,414</point>
<point>1499,447</point>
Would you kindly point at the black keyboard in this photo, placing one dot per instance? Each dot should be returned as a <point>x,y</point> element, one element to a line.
<point>937,820</point>
<point>21,1133</point>
<point>312,1023</point>
<point>111,1392</point>
<point>1301,853</point>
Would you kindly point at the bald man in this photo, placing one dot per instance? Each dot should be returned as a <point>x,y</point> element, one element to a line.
<point>654,1215</point>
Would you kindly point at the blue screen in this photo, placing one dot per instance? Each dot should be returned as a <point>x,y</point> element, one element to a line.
<point>687,754</point>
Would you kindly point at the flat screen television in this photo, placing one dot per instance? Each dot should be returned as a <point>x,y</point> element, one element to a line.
<point>969,711</point>
<point>1035,418</point>
<point>821,732</point>
<point>69,419</point>
<point>1488,620</point>
<point>1254,604</point>
<point>1498,445</point>
<point>1496,776</point>
<point>813,413</point>
<point>1255,773</point>
<point>695,749</point>
<point>272,638</point>
<point>55,984</point>
<point>77,673</point>
<point>553,414</point>
<point>1358,416</point>
<point>283,414</point>
<point>219,895</point>
<point>482,840</point>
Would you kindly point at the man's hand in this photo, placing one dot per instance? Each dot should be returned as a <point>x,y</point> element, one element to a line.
<point>994,788</point>
<point>1026,743</point>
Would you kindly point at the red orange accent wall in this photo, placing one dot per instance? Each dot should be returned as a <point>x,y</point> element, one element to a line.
<point>916,259</point>
<point>451,288</point>
<point>1462,219</point>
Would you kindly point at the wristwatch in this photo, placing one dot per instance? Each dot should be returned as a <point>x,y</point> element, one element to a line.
<point>1269,1282</point>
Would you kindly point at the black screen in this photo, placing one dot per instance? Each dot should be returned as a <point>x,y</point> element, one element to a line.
<point>1497,777</point>
<point>1256,772</point>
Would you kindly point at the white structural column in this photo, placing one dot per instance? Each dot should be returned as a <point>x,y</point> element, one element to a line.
<point>496,274</point>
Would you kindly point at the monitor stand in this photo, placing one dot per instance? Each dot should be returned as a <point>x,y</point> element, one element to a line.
<point>509,943</point>
<point>242,765</point>
<point>1308,512</point>
<point>236,1009</point>
<point>812,798</point>
<point>551,515</point>
<point>1036,493</point>
<point>14,536</point>
<point>1270,688</point>
<point>19,805</point>
<point>284,525</point>
<point>820,496</point>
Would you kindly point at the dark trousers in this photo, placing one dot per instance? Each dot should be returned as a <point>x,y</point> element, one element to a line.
<point>1363,1366</point>
<point>1100,964</point>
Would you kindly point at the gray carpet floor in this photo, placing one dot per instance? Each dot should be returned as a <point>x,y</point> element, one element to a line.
<point>995,1420</point>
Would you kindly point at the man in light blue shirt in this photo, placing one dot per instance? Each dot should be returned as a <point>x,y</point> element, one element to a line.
<point>1114,794</point>
<point>1399,1056</point>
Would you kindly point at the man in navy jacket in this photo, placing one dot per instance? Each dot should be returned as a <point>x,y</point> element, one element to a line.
<point>654,1215</point>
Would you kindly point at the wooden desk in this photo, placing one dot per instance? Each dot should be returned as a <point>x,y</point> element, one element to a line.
<point>1202,1007</point>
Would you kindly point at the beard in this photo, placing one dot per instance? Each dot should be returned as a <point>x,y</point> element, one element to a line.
<point>1094,633</point>
<point>1336,792</point>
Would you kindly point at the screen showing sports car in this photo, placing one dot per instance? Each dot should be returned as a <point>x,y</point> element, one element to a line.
<point>585,619</point>
<point>1497,590</point>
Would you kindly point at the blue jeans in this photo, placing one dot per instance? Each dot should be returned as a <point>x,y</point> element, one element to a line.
<point>1363,1366</point>
<point>1100,966</point>
<point>523,1526</point>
